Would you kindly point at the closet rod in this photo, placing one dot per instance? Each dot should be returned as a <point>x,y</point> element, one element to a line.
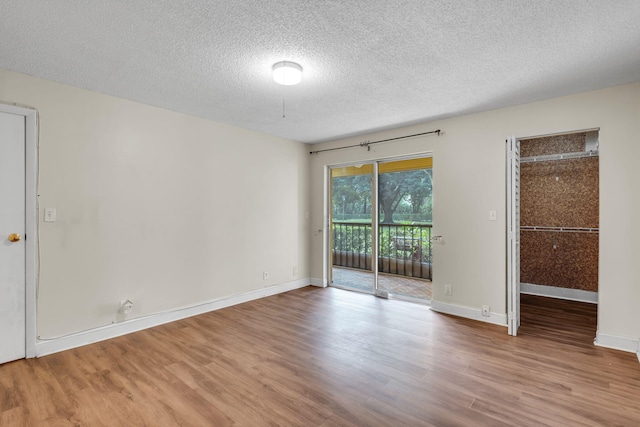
<point>563,156</point>
<point>560,229</point>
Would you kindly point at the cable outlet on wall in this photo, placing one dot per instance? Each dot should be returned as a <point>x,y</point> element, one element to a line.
<point>265,275</point>
<point>126,306</point>
<point>485,311</point>
<point>447,290</point>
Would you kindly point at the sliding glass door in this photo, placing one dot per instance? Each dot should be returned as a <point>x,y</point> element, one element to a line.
<point>381,219</point>
<point>352,227</point>
<point>404,245</point>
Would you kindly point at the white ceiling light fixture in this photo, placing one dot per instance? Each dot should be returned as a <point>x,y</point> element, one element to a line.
<point>287,73</point>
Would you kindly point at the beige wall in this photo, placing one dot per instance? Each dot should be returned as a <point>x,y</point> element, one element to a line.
<point>159,207</point>
<point>171,210</point>
<point>469,180</point>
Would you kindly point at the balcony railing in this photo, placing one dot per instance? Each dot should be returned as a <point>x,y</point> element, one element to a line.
<point>405,249</point>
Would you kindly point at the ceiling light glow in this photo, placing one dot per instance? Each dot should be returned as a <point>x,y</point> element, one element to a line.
<point>287,73</point>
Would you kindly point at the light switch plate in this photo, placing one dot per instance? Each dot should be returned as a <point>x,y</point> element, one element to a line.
<point>49,214</point>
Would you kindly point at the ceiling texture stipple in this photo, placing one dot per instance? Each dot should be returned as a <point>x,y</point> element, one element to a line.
<point>368,65</point>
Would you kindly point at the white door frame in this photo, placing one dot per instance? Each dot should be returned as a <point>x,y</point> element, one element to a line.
<point>513,235</point>
<point>513,245</point>
<point>31,220</point>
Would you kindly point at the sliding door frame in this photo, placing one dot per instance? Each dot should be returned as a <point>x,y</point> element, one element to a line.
<point>375,214</point>
<point>328,237</point>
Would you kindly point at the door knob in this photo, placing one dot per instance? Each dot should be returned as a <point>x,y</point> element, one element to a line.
<point>14,237</point>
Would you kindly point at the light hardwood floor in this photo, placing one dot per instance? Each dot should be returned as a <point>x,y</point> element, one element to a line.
<point>328,357</point>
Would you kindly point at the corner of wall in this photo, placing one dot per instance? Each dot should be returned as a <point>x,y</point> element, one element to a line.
<point>318,282</point>
<point>630,345</point>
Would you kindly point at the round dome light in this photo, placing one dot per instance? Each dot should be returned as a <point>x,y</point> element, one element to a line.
<point>287,73</point>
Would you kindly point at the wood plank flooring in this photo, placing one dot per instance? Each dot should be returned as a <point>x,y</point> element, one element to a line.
<point>328,357</point>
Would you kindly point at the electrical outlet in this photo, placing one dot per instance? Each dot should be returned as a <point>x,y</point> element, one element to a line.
<point>265,275</point>
<point>447,290</point>
<point>485,311</point>
<point>295,271</point>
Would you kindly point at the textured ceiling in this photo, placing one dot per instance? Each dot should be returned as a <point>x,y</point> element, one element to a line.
<point>368,65</point>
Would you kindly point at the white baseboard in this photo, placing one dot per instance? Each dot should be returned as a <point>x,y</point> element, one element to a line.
<point>560,293</point>
<point>469,313</point>
<point>318,282</point>
<point>631,345</point>
<point>102,333</point>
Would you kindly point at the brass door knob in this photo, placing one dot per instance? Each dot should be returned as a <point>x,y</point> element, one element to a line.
<point>14,237</point>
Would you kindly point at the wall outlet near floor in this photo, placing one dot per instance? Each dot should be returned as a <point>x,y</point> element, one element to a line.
<point>126,306</point>
<point>485,311</point>
<point>447,290</point>
<point>295,271</point>
<point>265,275</point>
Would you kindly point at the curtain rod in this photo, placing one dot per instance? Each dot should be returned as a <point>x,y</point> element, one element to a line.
<point>368,143</point>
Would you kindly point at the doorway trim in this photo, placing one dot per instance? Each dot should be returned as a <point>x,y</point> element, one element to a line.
<point>31,220</point>
<point>513,296</point>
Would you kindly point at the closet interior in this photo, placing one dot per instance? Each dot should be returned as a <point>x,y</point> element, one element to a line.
<point>559,216</point>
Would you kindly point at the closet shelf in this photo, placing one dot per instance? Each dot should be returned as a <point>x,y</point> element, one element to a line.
<point>559,229</point>
<point>563,156</point>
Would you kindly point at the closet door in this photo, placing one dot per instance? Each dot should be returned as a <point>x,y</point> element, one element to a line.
<point>12,233</point>
<point>513,235</point>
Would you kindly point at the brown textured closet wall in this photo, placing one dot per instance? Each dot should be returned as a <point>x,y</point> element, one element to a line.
<point>559,193</point>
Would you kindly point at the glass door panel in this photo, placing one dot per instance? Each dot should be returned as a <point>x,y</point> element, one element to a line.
<point>352,228</point>
<point>405,221</point>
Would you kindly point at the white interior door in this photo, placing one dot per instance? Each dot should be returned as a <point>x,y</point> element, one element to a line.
<point>12,238</point>
<point>513,235</point>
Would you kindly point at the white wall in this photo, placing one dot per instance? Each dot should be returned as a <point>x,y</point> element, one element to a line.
<point>159,207</point>
<point>470,178</point>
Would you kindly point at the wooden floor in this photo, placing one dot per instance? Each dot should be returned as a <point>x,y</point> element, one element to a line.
<point>328,357</point>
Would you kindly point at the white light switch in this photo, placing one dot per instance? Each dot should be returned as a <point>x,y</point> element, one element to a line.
<point>49,214</point>
<point>492,215</point>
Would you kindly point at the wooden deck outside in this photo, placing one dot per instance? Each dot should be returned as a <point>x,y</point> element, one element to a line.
<point>397,285</point>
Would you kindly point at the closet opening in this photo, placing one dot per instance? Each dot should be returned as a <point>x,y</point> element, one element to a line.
<point>559,232</point>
